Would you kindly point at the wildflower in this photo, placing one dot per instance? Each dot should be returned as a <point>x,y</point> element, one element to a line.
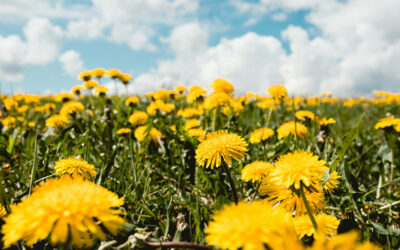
<point>124,131</point>
<point>260,135</point>
<point>98,72</point>
<point>222,85</point>
<point>76,90</point>
<point>349,240</point>
<point>113,73</point>
<point>63,97</point>
<point>195,93</point>
<point>217,99</point>
<point>167,107</point>
<point>9,122</point>
<point>332,183</point>
<point>305,114</point>
<point>74,166</point>
<point>180,88</point>
<point>57,121</point>
<point>220,145</point>
<point>161,94</point>
<point>387,122</point>
<point>85,75</point>
<point>249,226</point>
<point>141,133</point>
<point>138,118</point>
<point>292,128</point>
<point>10,103</point>
<point>125,78</point>
<point>198,133</point>
<point>67,210</point>
<point>190,112</point>
<point>255,171</point>
<point>266,103</point>
<point>132,100</point>
<point>298,167</point>
<point>90,84</point>
<point>101,90</point>
<point>277,91</point>
<point>327,225</point>
<point>22,109</point>
<point>192,124</point>
<point>325,122</point>
<point>71,108</point>
<point>3,211</point>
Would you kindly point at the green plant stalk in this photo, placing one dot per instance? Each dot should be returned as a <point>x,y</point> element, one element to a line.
<point>197,221</point>
<point>309,212</point>
<point>232,184</point>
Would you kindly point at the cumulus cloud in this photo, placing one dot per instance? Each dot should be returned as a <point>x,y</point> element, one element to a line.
<point>71,62</point>
<point>42,45</point>
<point>85,29</point>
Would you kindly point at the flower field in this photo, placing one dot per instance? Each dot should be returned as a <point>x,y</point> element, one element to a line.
<point>191,168</point>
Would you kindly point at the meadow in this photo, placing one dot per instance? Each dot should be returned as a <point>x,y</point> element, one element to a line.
<point>191,168</point>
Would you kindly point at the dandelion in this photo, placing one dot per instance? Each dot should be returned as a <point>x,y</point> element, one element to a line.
<point>101,90</point>
<point>71,108</point>
<point>327,225</point>
<point>260,135</point>
<point>131,101</point>
<point>9,122</point>
<point>198,133</point>
<point>124,131</point>
<point>218,146</point>
<point>76,90</point>
<point>325,121</point>
<point>3,211</point>
<point>277,91</point>
<point>250,226</point>
<point>125,78</point>
<point>332,183</point>
<point>67,210</point>
<point>195,93</point>
<point>192,124</point>
<point>74,166</point>
<point>387,122</point>
<point>85,75</point>
<point>180,89</point>
<point>222,85</point>
<point>190,112</point>
<point>98,72</point>
<point>298,167</point>
<point>113,73</point>
<point>57,121</point>
<point>90,84</point>
<point>217,99</point>
<point>138,118</point>
<point>305,114</point>
<point>292,128</point>
<point>63,97</point>
<point>256,171</point>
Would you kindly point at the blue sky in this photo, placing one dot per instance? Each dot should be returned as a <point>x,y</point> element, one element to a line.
<point>346,47</point>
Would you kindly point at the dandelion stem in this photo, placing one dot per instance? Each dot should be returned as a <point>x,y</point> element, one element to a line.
<point>232,184</point>
<point>187,245</point>
<point>309,212</point>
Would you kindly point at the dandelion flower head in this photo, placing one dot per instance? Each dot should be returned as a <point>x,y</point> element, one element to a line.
<point>74,166</point>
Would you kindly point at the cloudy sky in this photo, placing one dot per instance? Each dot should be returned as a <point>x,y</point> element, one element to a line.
<point>349,47</point>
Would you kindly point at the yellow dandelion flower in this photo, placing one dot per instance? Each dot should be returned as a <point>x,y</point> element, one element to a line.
<point>9,122</point>
<point>327,225</point>
<point>125,78</point>
<point>255,171</point>
<point>292,128</point>
<point>332,183</point>
<point>3,211</point>
<point>57,121</point>
<point>198,133</point>
<point>90,84</point>
<point>161,94</point>
<point>63,97</point>
<point>192,123</point>
<point>76,90</point>
<point>347,241</point>
<point>305,114</point>
<point>98,72</point>
<point>22,109</point>
<point>173,127</point>
<point>10,103</point>
<point>217,99</point>
<point>325,121</point>
<point>71,108</point>
<point>266,103</point>
<point>67,210</point>
<point>260,135</point>
<point>167,107</point>
<point>218,146</point>
<point>100,90</point>
<point>298,167</point>
<point>180,88</point>
<point>141,133</point>
<point>85,75</point>
<point>113,73</point>
<point>249,226</point>
<point>131,101</point>
<point>222,85</point>
<point>190,112</point>
<point>289,200</point>
<point>124,131</point>
<point>74,166</point>
<point>31,124</point>
<point>195,92</point>
<point>277,91</point>
<point>138,118</point>
<point>387,122</point>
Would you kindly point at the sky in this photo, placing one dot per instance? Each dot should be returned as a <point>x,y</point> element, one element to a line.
<point>348,48</point>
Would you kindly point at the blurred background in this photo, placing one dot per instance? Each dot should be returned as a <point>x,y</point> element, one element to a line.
<point>348,48</point>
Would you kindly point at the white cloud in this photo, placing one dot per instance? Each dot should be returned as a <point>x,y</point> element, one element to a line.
<point>135,37</point>
<point>72,63</point>
<point>85,29</point>
<point>42,45</point>
<point>279,17</point>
